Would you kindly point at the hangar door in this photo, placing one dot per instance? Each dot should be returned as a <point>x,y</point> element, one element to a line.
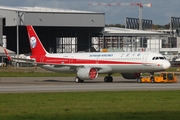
<point>66,45</point>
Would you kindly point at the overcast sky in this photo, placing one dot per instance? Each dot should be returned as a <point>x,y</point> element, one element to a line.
<point>160,12</point>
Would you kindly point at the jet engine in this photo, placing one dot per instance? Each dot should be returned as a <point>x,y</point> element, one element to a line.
<point>87,73</point>
<point>131,75</point>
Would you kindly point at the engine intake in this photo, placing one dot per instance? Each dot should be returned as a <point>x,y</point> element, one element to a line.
<point>87,73</point>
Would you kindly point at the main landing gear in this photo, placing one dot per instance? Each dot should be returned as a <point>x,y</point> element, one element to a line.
<point>138,76</point>
<point>108,78</point>
<point>77,80</point>
<point>139,80</point>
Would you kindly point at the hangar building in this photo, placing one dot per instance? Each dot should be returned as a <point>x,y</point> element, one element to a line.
<point>59,30</point>
<point>65,30</point>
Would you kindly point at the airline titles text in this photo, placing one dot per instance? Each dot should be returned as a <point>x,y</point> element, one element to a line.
<point>100,55</point>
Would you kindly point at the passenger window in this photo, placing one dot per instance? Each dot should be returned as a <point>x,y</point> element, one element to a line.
<point>153,58</point>
<point>157,58</point>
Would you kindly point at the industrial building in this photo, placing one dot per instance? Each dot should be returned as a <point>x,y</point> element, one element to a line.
<point>58,29</point>
<point>67,31</point>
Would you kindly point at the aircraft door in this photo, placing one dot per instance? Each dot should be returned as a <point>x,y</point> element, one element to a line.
<point>144,59</point>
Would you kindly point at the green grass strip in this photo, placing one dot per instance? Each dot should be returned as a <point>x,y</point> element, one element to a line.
<point>136,105</point>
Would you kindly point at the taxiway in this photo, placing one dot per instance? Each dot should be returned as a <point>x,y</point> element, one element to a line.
<point>67,84</point>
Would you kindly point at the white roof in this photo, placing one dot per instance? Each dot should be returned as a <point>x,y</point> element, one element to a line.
<point>41,9</point>
<point>114,31</point>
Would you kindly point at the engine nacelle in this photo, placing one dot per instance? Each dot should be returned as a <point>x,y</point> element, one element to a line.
<point>87,73</point>
<point>131,75</point>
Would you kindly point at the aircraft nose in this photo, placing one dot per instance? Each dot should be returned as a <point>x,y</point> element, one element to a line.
<point>166,65</point>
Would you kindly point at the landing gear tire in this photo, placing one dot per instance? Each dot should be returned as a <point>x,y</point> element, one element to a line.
<point>77,80</point>
<point>152,80</point>
<point>108,79</point>
<point>139,80</point>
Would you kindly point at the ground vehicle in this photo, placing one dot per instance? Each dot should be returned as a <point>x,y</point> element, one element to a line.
<point>163,77</point>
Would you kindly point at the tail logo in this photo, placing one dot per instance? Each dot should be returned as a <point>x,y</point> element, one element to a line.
<point>33,42</point>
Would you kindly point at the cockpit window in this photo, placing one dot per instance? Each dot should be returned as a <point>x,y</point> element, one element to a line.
<point>162,58</point>
<point>158,58</point>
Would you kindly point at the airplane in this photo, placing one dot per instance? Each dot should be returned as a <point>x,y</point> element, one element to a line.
<point>87,66</point>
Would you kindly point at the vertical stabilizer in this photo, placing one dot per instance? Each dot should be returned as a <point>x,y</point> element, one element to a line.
<point>36,46</point>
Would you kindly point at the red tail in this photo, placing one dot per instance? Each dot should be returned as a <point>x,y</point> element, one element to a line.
<point>35,43</point>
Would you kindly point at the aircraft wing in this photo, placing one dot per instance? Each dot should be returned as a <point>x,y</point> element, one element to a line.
<point>22,60</point>
<point>59,65</point>
<point>33,62</point>
<point>56,65</point>
<point>19,60</point>
<point>71,66</point>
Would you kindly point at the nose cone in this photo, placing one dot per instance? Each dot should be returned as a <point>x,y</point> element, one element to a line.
<point>166,65</point>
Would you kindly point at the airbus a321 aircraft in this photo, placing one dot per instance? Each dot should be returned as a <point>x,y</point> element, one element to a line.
<point>89,65</point>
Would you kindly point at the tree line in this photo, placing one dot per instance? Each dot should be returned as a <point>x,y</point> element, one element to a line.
<point>154,27</point>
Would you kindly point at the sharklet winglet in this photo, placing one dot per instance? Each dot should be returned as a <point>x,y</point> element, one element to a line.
<point>8,57</point>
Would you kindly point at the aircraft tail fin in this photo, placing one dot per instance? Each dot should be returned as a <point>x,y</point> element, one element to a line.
<point>36,46</point>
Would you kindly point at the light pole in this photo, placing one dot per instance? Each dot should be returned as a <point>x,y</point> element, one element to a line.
<point>170,36</point>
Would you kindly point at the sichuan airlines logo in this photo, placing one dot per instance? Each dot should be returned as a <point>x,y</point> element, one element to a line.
<point>33,42</point>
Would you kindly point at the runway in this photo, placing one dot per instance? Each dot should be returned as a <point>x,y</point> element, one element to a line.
<point>67,84</point>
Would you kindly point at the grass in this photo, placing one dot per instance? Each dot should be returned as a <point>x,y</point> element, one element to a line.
<point>32,72</point>
<point>91,105</point>
<point>114,105</point>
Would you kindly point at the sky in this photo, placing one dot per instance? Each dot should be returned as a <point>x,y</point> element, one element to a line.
<point>160,12</point>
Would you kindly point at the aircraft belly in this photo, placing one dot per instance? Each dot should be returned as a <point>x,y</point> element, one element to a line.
<point>124,68</point>
<point>135,68</point>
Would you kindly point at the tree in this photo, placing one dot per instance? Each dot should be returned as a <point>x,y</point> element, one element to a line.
<point>115,25</point>
<point>167,26</point>
<point>154,27</point>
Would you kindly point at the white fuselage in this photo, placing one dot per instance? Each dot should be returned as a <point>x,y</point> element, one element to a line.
<point>107,62</point>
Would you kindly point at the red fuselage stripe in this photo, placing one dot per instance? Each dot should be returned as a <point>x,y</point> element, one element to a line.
<point>80,61</point>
